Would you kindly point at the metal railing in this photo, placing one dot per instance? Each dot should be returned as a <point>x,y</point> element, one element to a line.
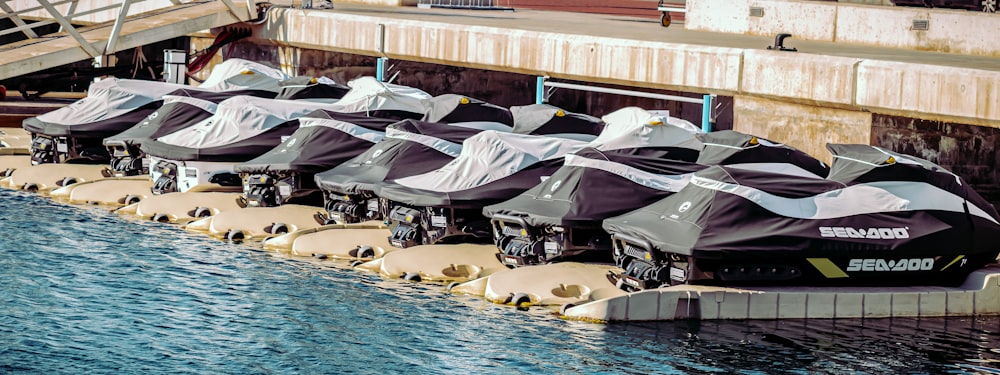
<point>45,12</point>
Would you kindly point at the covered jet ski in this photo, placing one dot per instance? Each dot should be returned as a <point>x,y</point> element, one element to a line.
<point>320,89</point>
<point>881,219</point>
<point>560,218</point>
<point>75,133</point>
<point>285,174</point>
<point>187,107</point>
<point>445,205</point>
<point>414,146</point>
<point>374,98</point>
<point>238,74</point>
<point>728,147</point>
<point>242,128</point>
<point>245,127</point>
<point>181,108</point>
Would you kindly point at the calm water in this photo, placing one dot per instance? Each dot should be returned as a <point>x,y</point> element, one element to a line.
<point>84,291</point>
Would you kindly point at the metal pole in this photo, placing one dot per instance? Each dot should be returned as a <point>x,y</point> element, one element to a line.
<point>380,68</point>
<point>540,90</point>
<point>706,114</point>
<point>624,92</point>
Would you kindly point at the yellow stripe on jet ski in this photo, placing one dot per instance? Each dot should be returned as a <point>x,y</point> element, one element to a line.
<point>827,268</point>
<point>953,262</point>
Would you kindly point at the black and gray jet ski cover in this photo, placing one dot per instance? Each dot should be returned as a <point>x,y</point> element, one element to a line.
<point>492,166</point>
<point>593,185</point>
<point>243,127</point>
<point>111,106</point>
<point>324,139</point>
<point>410,147</point>
<point>728,147</point>
<point>180,109</point>
<point>320,89</point>
<point>373,98</point>
<point>545,119</point>
<point>471,112</point>
<point>880,232</point>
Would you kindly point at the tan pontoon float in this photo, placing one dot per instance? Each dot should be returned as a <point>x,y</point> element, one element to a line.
<point>257,222</point>
<point>116,191</point>
<point>182,207</point>
<point>438,263</point>
<point>550,284</point>
<point>44,178</point>
<point>365,240</point>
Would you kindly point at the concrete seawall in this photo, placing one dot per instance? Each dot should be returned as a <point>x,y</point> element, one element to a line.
<point>954,93</point>
<point>948,30</point>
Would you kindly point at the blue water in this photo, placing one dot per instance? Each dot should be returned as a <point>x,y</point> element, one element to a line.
<point>85,291</point>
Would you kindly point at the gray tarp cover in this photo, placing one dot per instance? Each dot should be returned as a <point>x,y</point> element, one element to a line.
<point>593,185</point>
<point>323,140</point>
<point>727,212</point>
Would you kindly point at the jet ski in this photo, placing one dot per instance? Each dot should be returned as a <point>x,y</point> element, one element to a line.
<point>186,107</point>
<point>181,108</point>
<point>320,89</point>
<point>415,146</point>
<point>203,155</point>
<point>244,128</point>
<point>285,174</point>
<point>879,219</point>
<point>560,218</point>
<point>445,205</point>
<point>75,133</point>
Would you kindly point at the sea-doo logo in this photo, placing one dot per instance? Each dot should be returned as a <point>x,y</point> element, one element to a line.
<point>870,233</point>
<point>879,265</point>
<point>684,207</point>
<point>555,186</point>
<point>377,153</point>
<point>153,115</point>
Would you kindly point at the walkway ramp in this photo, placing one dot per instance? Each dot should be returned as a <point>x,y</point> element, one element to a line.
<point>126,31</point>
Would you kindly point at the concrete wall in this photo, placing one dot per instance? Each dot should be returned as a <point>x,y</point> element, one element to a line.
<point>968,151</point>
<point>501,88</point>
<point>907,89</point>
<point>807,128</point>
<point>952,31</point>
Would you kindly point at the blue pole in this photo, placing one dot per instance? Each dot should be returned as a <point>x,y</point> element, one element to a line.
<point>539,90</point>
<point>706,114</point>
<point>380,69</point>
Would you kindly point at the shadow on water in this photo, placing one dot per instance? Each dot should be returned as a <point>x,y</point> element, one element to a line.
<point>85,291</point>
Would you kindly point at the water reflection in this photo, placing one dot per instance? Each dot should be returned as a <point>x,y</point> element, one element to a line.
<point>85,291</point>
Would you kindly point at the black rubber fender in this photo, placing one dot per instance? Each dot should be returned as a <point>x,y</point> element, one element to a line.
<point>356,263</point>
<point>564,307</point>
<point>320,256</point>
<point>201,212</point>
<point>411,276</point>
<point>160,218</point>
<point>276,228</point>
<point>66,181</point>
<point>235,235</point>
<point>130,199</point>
<point>451,286</point>
<point>30,187</point>
<point>521,301</point>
